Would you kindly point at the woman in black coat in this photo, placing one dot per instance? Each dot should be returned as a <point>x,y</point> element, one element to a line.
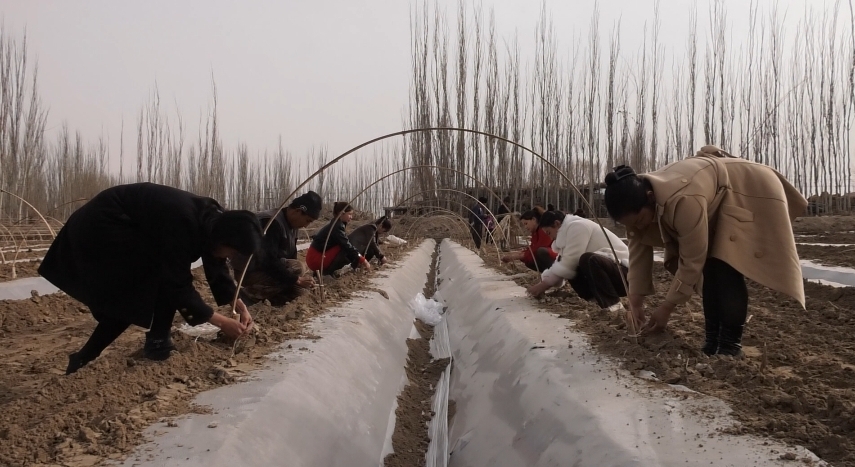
<point>127,254</point>
<point>331,249</point>
<point>366,239</point>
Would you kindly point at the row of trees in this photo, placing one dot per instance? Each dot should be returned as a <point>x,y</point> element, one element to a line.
<point>57,175</point>
<point>779,97</point>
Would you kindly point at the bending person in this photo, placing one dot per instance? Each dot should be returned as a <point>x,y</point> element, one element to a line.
<point>275,274</point>
<point>538,255</point>
<point>127,253</point>
<point>585,259</point>
<point>478,218</point>
<point>337,252</point>
<point>366,239</point>
<point>720,219</point>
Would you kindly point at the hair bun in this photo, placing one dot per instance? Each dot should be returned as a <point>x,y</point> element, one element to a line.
<point>620,172</point>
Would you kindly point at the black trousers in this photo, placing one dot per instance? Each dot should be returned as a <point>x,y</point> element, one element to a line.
<point>725,303</point>
<point>109,329</point>
<point>477,232</point>
<point>260,285</point>
<point>599,279</point>
<point>542,260</point>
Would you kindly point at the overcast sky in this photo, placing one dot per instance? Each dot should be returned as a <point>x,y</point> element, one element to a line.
<point>332,72</point>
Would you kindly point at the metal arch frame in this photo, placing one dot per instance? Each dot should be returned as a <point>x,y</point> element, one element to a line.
<point>498,253</point>
<point>424,216</point>
<point>396,172</point>
<point>366,188</point>
<point>437,213</point>
<point>50,229</point>
<point>463,130</point>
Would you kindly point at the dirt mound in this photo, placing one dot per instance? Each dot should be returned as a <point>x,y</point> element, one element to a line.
<point>795,382</point>
<point>828,255</point>
<point>823,224</point>
<point>26,269</point>
<point>100,412</point>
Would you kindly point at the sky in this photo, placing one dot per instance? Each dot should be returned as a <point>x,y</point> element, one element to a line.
<point>320,72</point>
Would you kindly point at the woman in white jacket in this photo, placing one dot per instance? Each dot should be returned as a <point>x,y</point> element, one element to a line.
<point>585,259</point>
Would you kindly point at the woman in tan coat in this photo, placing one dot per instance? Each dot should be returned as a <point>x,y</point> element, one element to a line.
<point>719,219</point>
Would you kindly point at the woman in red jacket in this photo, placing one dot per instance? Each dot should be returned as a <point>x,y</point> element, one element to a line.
<point>538,255</point>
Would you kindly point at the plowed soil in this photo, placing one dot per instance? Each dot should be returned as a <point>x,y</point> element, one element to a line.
<point>100,412</point>
<point>796,381</point>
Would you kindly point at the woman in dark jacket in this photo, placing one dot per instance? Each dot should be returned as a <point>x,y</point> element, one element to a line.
<point>127,254</point>
<point>366,239</point>
<point>331,250</point>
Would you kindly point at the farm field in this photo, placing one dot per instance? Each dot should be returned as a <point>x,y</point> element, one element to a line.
<point>793,384</point>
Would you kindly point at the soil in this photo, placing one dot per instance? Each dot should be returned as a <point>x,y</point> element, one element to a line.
<point>828,255</point>
<point>824,224</point>
<point>793,383</point>
<point>410,439</point>
<point>25,269</point>
<point>100,412</point>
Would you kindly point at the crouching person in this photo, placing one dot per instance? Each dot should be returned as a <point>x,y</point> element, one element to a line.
<point>538,255</point>
<point>366,239</point>
<point>585,259</point>
<point>275,274</point>
<point>127,253</point>
<point>331,250</point>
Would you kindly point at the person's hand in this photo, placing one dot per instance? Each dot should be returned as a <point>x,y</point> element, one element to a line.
<point>537,290</point>
<point>232,328</point>
<point>243,312</point>
<point>658,319</point>
<point>383,261</point>
<point>365,265</point>
<point>306,282</point>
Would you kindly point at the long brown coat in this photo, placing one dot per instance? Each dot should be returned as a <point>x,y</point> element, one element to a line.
<point>735,210</point>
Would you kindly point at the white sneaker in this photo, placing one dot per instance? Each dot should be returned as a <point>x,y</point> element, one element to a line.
<point>617,307</point>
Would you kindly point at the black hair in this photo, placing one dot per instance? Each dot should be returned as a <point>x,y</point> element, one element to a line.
<point>240,230</point>
<point>550,207</point>
<point>533,213</point>
<point>507,199</point>
<point>626,192</point>
<point>384,222</point>
<point>341,206</point>
<point>482,199</point>
<point>548,218</point>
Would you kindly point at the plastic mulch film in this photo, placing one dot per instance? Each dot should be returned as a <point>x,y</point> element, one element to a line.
<point>437,454</point>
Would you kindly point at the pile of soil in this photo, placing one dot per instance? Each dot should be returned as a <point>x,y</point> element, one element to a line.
<point>794,382</point>
<point>828,255</point>
<point>25,269</point>
<point>824,224</point>
<point>101,411</point>
<point>432,227</point>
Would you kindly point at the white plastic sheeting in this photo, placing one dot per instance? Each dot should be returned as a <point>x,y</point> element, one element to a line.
<point>330,404</point>
<point>427,310</point>
<point>20,289</point>
<point>440,347</point>
<point>524,398</point>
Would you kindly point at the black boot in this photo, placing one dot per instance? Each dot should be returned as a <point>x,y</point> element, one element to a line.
<point>711,328</point>
<point>157,348</point>
<point>730,340</point>
<point>75,362</point>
